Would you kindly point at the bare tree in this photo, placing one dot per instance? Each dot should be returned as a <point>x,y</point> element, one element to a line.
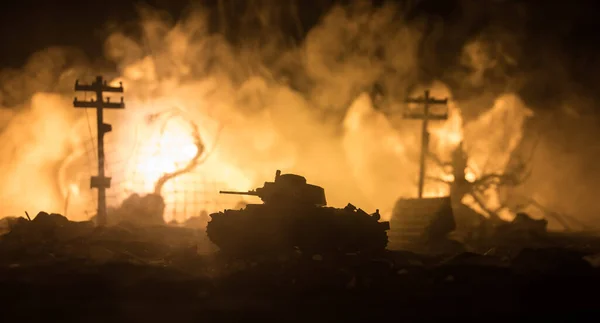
<point>513,176</point>
<point>516,174</point>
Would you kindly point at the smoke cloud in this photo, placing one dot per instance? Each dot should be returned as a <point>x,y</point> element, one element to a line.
<point>294,96</point>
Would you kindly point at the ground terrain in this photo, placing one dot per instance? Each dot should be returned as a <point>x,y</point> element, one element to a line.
<point>55,270</point>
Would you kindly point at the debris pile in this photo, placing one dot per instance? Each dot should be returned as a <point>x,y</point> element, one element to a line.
<point>523,228</point>
<point>198,222</point>
<point>432,226</point>
<point>52,237</point>
<point>139,210</point>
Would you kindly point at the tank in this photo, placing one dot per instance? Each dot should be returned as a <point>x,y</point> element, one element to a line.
<point>294,215</point>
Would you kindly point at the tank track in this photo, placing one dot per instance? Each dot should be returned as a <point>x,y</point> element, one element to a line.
<point>265,230</point>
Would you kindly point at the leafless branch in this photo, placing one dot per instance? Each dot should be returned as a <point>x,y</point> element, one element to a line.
<point>487,180</point>
<point>515,176</point>
<point>482,205</point>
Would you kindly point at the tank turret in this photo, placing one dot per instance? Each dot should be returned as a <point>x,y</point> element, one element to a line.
<point>287,189</point>
<point>294,215</point>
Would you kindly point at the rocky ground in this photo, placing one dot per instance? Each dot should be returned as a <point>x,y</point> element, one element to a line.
<point>55,270</point>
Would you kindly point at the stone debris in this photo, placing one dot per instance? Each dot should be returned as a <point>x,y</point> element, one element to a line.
<point>52,236</point>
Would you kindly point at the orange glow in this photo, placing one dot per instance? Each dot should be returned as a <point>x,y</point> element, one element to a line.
<point>74,189</point>
<point>486,139</point>
<point>169,147</point>
<point>383,158</point>
<point>162,153</point>
<point>250,121</point>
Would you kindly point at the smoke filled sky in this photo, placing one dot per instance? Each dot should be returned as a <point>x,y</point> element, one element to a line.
<point>552,39</point>
<point>290,72</point>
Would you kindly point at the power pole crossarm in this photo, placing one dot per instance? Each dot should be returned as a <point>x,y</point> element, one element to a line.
<point>99,85</point>
<point>426,116</point>
<point>100,182</point>
<point>95,104</point>
<point>429,100</point>
<point>440,117</point>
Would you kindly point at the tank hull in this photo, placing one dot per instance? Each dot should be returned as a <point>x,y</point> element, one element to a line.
<point>262,229</point>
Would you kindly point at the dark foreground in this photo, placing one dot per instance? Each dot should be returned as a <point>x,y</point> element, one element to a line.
<point>86,274</point>
<point>301,291</point>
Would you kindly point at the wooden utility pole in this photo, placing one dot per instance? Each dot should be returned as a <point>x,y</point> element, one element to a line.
<point>425,116</point>
<point>100,182</point>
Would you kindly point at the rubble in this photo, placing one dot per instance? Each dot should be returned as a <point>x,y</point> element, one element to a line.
<point>159,269</point>
<point>52,236</point>
<point>139,210</point>
<point>198,222</point>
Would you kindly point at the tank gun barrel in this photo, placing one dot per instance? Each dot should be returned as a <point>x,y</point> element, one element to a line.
<point>253,193</point>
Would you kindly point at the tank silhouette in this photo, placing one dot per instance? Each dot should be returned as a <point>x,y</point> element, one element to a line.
<point>295,215</point>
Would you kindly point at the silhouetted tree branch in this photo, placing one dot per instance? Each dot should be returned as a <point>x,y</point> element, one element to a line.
<point>516,175</point>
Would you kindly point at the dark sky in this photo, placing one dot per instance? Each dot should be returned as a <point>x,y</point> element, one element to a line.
<point>33,25</point>
<point>30,25</point>
<point>569,29</point>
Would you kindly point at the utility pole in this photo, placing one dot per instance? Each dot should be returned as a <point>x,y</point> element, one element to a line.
<point>100,182</point>
<point>425,116</point>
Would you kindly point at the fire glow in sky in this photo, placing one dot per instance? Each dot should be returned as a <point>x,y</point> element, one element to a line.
<point>253,122</point>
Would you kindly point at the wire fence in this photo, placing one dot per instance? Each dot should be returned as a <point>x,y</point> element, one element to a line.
<point>185,196</point>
